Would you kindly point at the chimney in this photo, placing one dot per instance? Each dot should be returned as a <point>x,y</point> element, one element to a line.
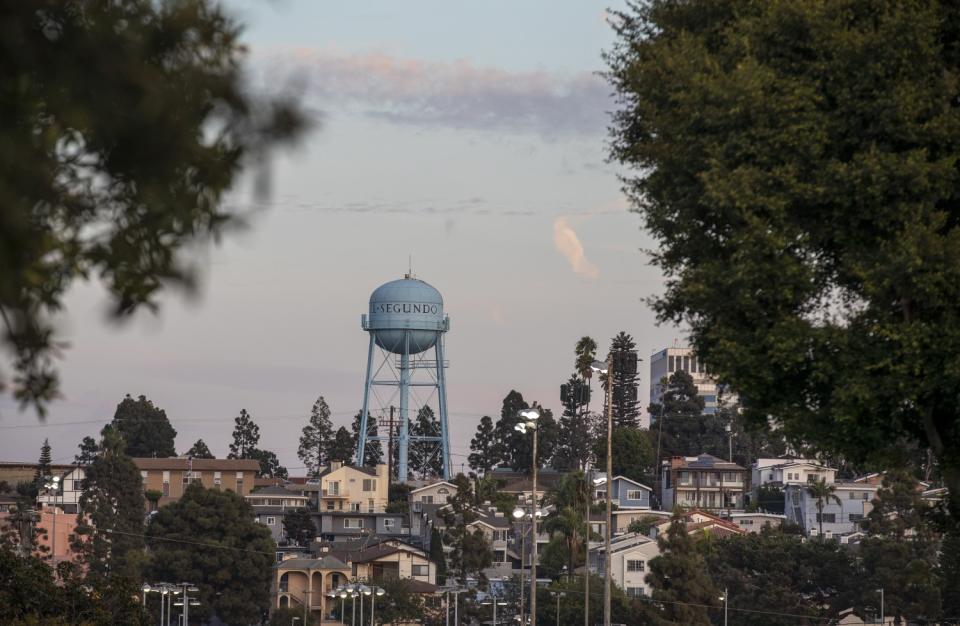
<point>382,472</point>
<point>676,462</point>
<point>335,465</point>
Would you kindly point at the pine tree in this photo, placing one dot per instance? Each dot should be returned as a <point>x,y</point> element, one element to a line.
<point>200,450</point>
<point>246,436</point>
<point>316,438</point>
<point>680,580</point>
<point>484,455</point>
<point>373,450</point>
<point>342,448</point>
<point>679,423</point>
<point>44,469</point>
<point>109,535</point>
<point>145,428</point>
<point>269,464</point>
<point>426,458</point>
<point>625,382</point>
<point>88,451</point>
<point>515,447</point>
<point>299,528</point>
<point>575,441</point>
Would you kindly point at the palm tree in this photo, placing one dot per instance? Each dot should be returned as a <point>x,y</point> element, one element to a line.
<point>569,498</point>
<point>823,493</point>
<point>586,351</point>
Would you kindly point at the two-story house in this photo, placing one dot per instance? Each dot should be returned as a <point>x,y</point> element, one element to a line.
<point>703,482</point>
<point>346,488</point>
<point>496,528</point>
<point>782,472</point>
<point>271,504</point>
<point>171,476</point>
<point>67,497</point>
<point>842,514</point>
<point>438,492</point>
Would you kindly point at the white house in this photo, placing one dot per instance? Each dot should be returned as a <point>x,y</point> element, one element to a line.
<point>68,496</point>
<point>842,513</point>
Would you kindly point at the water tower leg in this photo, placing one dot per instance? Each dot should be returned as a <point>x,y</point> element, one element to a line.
<point>442,393</point>
<point>402,470</point>
<point>361,444</point>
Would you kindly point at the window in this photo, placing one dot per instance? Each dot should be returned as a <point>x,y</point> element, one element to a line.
<point>634,565</point>
<point>354,507</point>
<point>143,475</point>
<point>703,369</point>
<point>866,495</point>
<point>271,521</point>
<point>353,523</point>
<point>746,522</point>
<point>499,535</point>
<point>828,518</point>
<point>369,484</point>
<point>389,523</point>
<point>635,592</point>
<point>166,489</point>
<point>812,478</point>
<point>370,506</point>
<point>420,570</point>
<point>686,364</point>
<point>426,499</point>
<point>216,479</point>
<point>635,494</point>
<point>443,491</point>
<point>693,365</point>
<point>856,517</point>
<point>329,505</point>
<point>239,483</point>
<point>670,364</point>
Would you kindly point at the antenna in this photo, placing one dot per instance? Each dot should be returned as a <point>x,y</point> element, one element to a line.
<point>410,273</point>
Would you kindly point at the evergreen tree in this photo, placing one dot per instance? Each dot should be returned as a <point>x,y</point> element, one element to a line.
<point>109,535</point>
<point>515,447</point>
<point>299,528</point>
<point>632,453</point>
<point>680,580</point>
<point>269,463</point>
<point>88,452</point>
<point>950,572</point>
<point>44,469</point>
<point>199,450</point>
<point>145,428</point>
<point>426,458</point>
<point>575,433</point>
<point>316,438</point>
<point>233,570</point>
<point>342,448</point>
<point>680,425</point>
<point>438,556</point>
<point>484,454</point>
<point>373,450</point>
<point>625,382</point>
<point>246,436</point>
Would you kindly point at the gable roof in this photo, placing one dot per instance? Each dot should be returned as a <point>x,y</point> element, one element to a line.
<point>372,471</point>
<point>434,484</point>
<point>603,481</point>
<point>275,490</point>
<point>199,465</point>
<point>703,461</point>
<point>325,562</point>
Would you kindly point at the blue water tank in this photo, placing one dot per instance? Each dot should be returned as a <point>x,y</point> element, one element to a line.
<point>408,304</point>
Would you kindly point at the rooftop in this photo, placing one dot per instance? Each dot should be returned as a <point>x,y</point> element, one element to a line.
<point>184,464</point>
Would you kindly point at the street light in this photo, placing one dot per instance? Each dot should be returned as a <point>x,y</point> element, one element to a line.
<point>882,616</point>
<point>53,484</point>
<point>558,595</point>
<point>374,593</point>
<point>294,620</point>
<point>531,416</point>
<point>607,368</point>
<point>494,603</point>
<point>725,597</point>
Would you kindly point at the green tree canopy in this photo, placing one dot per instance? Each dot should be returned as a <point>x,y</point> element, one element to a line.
<point>624,393</point>
<point>109,534</point>
<point>516,448</point>
<point>342,448</point>
<point>200,450</point>
<point>246,436</point>
<point>426,458</point>
<point>209,538</point>
<point>88,451</point>
<point>299,528</point>
<point>114,173</point>
<point>43,470</point>
<point>575,432</point>
<point>680,579</point>
<point>484,455</point>
<point>796,162</point>
<point>145,428</point>
<point>316,438</point>
<point>632,454</point>
<point>373,450</point>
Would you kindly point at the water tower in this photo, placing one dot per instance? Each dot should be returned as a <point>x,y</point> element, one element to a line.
<point>405,322</point>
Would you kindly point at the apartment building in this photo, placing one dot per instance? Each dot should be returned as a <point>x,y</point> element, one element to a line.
<point>669,360</point>
<point>353,489</point>
<point>782,472</point>
<point>702,482</point>
<point>842,514</point>
<point>171,476</point>
<point>271,504</point>
<point>496,528</point>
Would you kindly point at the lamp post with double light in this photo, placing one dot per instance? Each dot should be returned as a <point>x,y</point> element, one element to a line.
<point>529,422</point>
<point>52,485</point>
<point>607,368</point>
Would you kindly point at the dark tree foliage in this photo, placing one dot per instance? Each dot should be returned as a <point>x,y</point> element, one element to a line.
<point>950,572</point>
<point>232,565</point>
<point>624,394</point>
<point>426,459</point>
<point>820,581</point>
<point>109,535</point>
<point>398,497</point>
<point>299,528</point>
<point>373,451</point>
<point>200,450</point>
<point>246,436</point>
<point>680,579</point>
<point>316,438</point>
<point>342,448</point>
<point>269,463</point>
<point>797,164</point>
<point>88,451</point>
<point>43,464</point>
<point>632,453</point>
<point>567,523</point>
<point>145,428</point>
<point>770,499</point>
<point>516,448</point>
<point>622,609</point>
<point>122,125</point>
<point>399,604</point>
<point>438,556</point>
<point>484,454</point>
<point>680,425</point>
<point>575,433</point>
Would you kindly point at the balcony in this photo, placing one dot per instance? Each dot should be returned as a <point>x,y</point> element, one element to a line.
<point>339,493</point>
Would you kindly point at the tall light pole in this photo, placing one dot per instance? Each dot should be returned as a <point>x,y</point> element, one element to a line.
<point>376,591</point>
<point>558,595</point>
<point>518,514</point>
<point>531,416</point>
<point>607,368</point>
<point>883,618</point>
<point>494,602</point>
<point>726,603</point>
<point>53,484</point>
<point>588,500</point>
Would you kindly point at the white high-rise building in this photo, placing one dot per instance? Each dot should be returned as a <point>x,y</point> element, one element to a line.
<point>667,361</point>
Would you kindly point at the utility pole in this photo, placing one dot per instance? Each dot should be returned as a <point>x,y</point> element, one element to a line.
<point>533,536</point>
<point>606,554</point>
<point>390,448</point>
<point>588,500</point>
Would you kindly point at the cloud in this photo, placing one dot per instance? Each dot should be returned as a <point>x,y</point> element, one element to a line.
<point>454,94</point>
<point>567,243</point>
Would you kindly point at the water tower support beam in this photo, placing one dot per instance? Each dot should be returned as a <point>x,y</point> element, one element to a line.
<point>362,439</point>
<point>402,470</point>
<point>442,389</point>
